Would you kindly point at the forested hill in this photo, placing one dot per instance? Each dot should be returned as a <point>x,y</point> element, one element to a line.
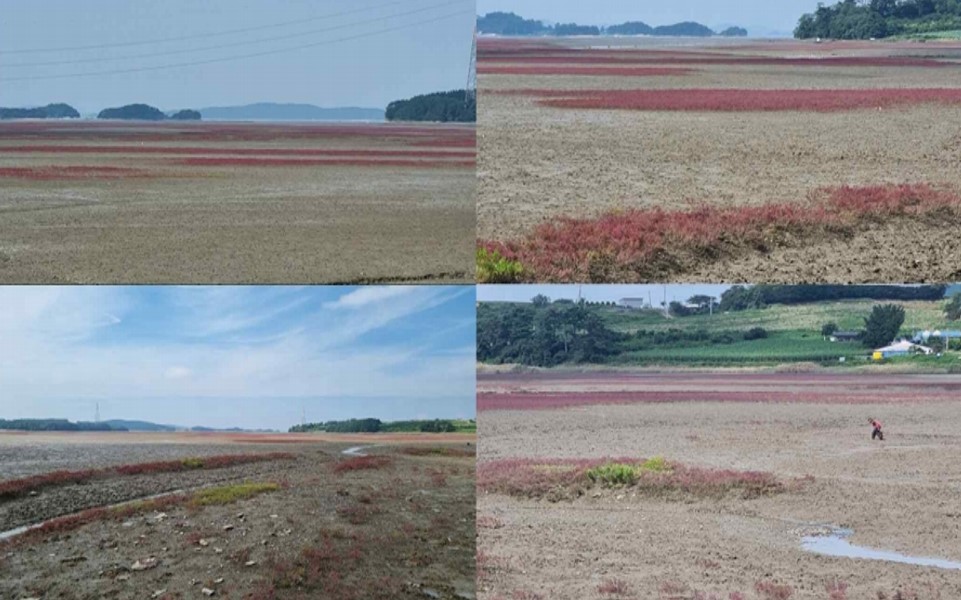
<point>504,23</point>
<point>865,19</point>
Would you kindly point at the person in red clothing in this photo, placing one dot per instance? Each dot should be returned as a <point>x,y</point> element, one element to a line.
<point>877,433</point>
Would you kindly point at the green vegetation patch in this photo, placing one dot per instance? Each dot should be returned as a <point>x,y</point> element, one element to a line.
<point>494,268</point>
<point>232,493</point>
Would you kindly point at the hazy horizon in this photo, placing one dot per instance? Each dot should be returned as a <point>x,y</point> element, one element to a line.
<point>222,357</point>
<point>179,54</point>
<point>759,16</point>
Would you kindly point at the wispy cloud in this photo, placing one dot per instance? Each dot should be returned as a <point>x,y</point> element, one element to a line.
<point>366,296</point>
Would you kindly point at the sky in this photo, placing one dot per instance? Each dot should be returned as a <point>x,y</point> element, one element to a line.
<point>760,17</point>
<point>251,357</point>
<point>597,293</point>
<point>427,50</point>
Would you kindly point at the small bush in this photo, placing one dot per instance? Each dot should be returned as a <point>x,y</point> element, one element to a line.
<point>613,587</point>
<point>755,333</point>
<point>658,464</point>
<point>359,463</point>
<point>193,463</point>
<point>614,474</point>
<point>769,590</point>
<point>494,268</point>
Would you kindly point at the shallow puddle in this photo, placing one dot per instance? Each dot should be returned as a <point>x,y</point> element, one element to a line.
<point>836,544</point>
<point>356,451</point>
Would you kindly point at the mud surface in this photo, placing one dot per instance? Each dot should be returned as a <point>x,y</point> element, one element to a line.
<point>234,223</point>
<point>899,495</point>
<point>537,163</point>
<point>404,530</point>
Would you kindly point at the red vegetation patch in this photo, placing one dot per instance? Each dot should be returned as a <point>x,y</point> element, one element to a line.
<point>553,401</point>
<point>614,587</point>
<point>437,451</point>
<point>18,487</point>
<point>102,132</point>
<point>359,463</point>
<point>643,244</point>
<point>320,162</point>
<point>585,71</point>
<point>557,479</point>
<point>738,100</point>
<point>770,590</point>
<point>705,59</point>
<point>65,173</point>
<point>70,523</point>
<point>230,151</point>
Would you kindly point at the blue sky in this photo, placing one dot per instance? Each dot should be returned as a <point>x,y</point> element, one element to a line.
<point>759,16</point>
<point>248,357</point>
<point>427,48</point>
<point>597,293</point>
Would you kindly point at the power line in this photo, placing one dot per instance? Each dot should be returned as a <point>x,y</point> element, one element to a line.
<point>242,56</point>
<point>233,44</point>
<point>204,35</point>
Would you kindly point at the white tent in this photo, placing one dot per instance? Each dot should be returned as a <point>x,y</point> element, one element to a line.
<point>903,347</point>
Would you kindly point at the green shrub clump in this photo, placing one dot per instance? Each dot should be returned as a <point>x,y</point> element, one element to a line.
<point>494,268</point>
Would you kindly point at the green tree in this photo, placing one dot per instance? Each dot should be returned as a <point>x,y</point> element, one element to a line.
<point>828,329</point>
<point>883,325</point>
<point>540,301</point>
<point>953,308</point>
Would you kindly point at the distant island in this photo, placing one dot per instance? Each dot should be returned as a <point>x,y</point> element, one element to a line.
<point>50,111</point>
<point>267,111</point>
<point>378,426</point>
<point>443,107</point>
<point>508,23</point>
<point>111,425</point>
<point>53,425</point>
<point>849,20</point>
<point>145,112</point>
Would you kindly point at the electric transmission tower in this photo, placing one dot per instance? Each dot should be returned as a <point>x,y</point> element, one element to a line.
<point>471,94</point>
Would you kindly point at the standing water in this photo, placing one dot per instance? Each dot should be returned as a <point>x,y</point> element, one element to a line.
<point>836,544</point>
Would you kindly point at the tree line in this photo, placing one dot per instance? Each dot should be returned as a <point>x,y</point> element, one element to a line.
<point>378,426</point>
<point>741,297</point>
<point>54,425</point>
<point>443,107</point>
<point>865,19</point>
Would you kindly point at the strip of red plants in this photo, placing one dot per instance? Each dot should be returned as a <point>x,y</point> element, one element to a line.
<point>742,100</point>
<point>552,401</point>
<point>636,245</point>
<point>66,524</point>
<point>581,71</point>
<point>557,479</point>
<point>18,487</point>
<point>79,172</point>
<point>679,58</point>
<point>320,162</point>
<point>361,463</point>
<point>437,451</point>
<point>203,151</point>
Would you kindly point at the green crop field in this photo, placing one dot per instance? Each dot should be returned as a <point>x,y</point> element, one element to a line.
<point>847,315</point>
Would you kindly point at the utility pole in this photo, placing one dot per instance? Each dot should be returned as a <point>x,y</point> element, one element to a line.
<point>471,90</point>
<point>96,414</point>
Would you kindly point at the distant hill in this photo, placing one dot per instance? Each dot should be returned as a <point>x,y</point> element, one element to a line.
<point>503,23</point>
<point>50,111</point>
<point>267,111</point>
<point>444,107</point>
<point>138,425</point>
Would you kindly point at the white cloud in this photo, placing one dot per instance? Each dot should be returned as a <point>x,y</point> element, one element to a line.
<point>177,373</point>
<point>365,296</point>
